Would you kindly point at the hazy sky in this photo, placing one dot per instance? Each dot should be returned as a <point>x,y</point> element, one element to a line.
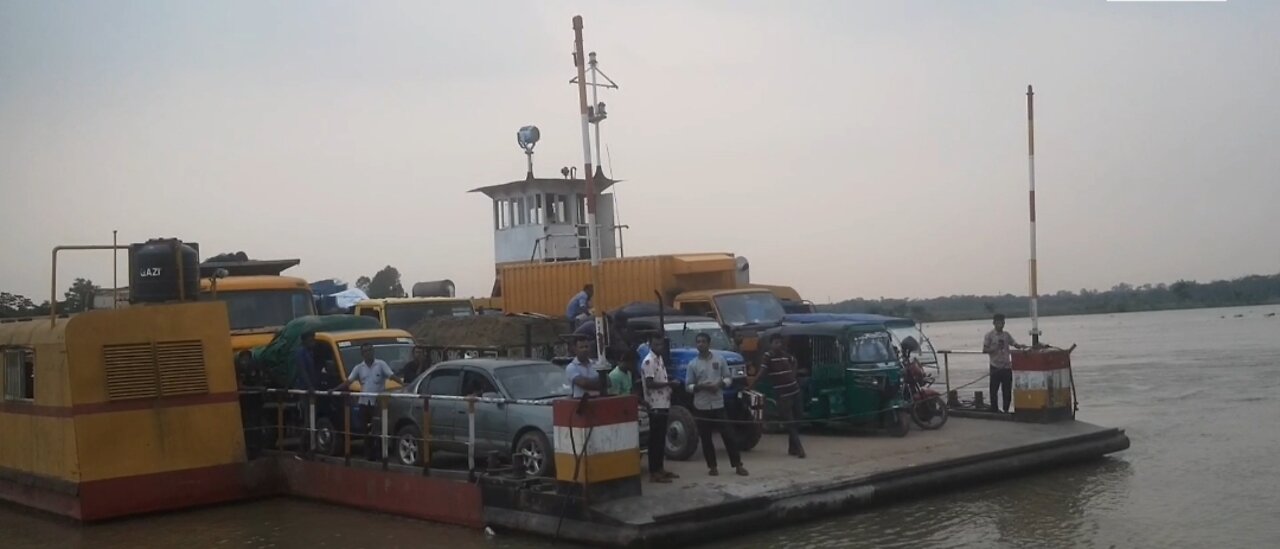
<point>847,148</point>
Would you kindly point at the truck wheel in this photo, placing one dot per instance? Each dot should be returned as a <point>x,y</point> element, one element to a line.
<point>748,435</point>
<point>682,434</point>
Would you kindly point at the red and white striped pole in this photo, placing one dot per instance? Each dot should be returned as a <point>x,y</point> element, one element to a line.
<point>593,236</point>
<point>1031,172</point>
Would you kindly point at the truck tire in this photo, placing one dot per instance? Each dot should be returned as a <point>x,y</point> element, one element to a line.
<point>682,434</point>
<point>748,435</point>
<point>327,438</point>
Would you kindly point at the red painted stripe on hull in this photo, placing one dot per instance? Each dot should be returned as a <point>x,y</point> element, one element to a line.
<point>439,500</point>
<point>118,497</point>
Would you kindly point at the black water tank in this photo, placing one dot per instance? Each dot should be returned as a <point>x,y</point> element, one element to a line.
<point>164,269</point>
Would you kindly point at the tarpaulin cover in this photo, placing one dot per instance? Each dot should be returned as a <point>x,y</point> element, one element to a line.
<point>277,358</point>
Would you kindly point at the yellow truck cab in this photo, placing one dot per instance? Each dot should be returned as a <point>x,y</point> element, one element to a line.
<point>402,313</point>
<point>259,300</point>
<point>737,310</point>
<point>339,352</point>
<point>259,305</point>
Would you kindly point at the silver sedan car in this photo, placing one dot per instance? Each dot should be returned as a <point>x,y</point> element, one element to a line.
<point>520,431</point>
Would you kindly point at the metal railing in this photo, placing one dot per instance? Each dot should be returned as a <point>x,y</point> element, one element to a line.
<point>946,363</point>
<point>283,401</point>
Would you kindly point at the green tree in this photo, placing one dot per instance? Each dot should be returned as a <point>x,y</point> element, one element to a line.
<point>79,297</point>
<point>385,284</point>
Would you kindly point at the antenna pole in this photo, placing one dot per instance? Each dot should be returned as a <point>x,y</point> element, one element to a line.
<point>595,101</point>
<point>593,234</point>
<point>1031,266</point>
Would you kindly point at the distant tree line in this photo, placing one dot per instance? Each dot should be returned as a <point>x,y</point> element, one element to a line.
<point>1121,298</point>
<point>77,298</point>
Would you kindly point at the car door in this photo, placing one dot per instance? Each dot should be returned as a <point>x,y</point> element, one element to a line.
<point>443,382</point>
<point>491,418</point>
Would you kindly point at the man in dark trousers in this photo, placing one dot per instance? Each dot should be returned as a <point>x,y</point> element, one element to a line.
<point>657,394</point>
<point>707,377</point>
<point>781,369</point>
<point>996,345</point>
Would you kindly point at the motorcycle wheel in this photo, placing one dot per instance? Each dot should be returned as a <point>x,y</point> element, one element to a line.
<point>930,413</point>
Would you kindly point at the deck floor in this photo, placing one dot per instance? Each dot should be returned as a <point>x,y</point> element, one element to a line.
<point>833,457</point>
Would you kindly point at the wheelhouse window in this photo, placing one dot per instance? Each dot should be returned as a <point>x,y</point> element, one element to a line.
<point>19,374</point>
<point>395,352</point>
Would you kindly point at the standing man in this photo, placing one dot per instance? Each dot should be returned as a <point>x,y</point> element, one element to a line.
<point>415,367</point>
<point>305,375</point>
<point>620,382</point>
<point>372,374</point>
<point>657,394</point>
<point>996,344</point>
<point>782,370</point>
<point>707,377</point>
<point>581,373</point>
<point>579,305</point>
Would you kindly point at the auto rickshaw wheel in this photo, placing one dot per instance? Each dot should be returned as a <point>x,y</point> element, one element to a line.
<point>682,434</point>
<point>897,422</point>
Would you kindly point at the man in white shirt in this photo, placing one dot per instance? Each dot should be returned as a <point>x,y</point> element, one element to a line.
<point>657,394</point>
<point>372,374</point>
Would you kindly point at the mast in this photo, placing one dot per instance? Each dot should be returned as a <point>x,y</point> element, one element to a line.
<point>1031,265</point>
<point>593,235</point>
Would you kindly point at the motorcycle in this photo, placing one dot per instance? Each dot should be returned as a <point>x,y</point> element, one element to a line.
<point>928,408</point>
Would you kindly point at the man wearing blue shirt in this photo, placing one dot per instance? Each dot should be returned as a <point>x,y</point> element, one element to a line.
<point>580,305</point>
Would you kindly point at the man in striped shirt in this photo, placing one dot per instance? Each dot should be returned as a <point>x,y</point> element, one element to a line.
<point>781,368</point>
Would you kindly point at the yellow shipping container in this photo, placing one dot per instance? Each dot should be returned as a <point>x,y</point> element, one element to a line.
<point>546,288</point>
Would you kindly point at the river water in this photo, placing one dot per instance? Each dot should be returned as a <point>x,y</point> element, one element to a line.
<point>1195,390</point>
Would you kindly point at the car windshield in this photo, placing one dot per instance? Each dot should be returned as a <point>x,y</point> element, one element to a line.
<point>249,310</point>
<point>752,308</point>
<point>870,349</point>
<point>927,355</point>
<point>404,316</point>
<point>533,381</point>
<point>394,352</point>
<point>682,334</point>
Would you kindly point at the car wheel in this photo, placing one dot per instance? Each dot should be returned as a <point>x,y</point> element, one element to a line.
<point>682,434</point>
<point>898,422</point>
<point>326,437</point>
<point>408,445</point>
<point>533,454</point>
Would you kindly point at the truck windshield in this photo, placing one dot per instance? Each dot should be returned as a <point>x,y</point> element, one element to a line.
<point>404,316</point>
<point>533,381</point>
<point>396,355</point>
<point>258,309</point>
<point>753,308</point>
<point>682,334</point>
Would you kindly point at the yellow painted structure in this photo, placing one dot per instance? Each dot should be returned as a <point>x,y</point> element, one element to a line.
<point>335,342</point>
<point>416,307</point>
<point>120,394</point>
<point>545,288</point>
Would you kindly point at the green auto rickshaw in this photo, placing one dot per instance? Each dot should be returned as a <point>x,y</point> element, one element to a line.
<point>849,374</point>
